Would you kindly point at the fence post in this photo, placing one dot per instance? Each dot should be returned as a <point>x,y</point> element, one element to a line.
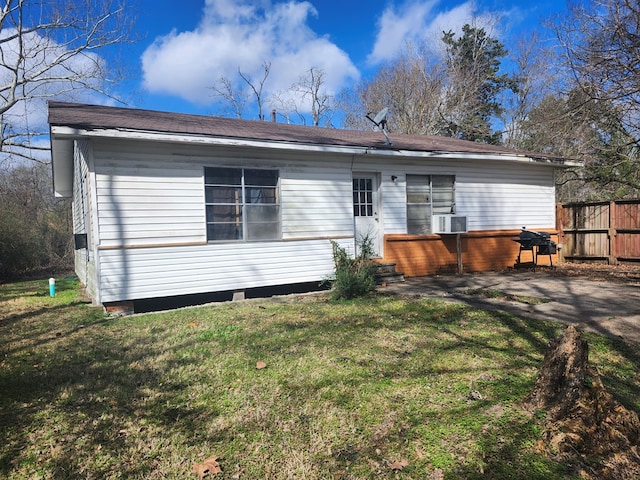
<point>560,230</point>
<point>612,233</point>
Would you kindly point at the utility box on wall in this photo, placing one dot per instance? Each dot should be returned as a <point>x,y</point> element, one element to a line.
<point>79,241</point>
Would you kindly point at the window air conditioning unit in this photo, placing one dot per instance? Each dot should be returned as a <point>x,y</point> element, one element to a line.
<point>448,224</point>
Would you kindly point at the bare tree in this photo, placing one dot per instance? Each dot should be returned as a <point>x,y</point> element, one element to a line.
<point>236,97</point>
<point>536,74</point>
<point>306,95</point>
<point>285,106</point>
<point>35,228</point>
<point>454,92</point>
<point>411,88</point>
<point>575,126</point>
<point>413,93</point>
<point>601,41</point>
<point>258,87</point>
<point>49,49</point>
<point>310,87</point>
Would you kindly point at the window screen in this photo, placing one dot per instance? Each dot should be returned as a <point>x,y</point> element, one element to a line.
<point>242,204</point>
<point>428,195</point>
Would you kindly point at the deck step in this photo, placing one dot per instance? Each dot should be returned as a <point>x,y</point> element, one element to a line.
<point>386,273</point>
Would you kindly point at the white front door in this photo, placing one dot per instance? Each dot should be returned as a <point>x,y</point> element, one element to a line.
<point>365,210</point>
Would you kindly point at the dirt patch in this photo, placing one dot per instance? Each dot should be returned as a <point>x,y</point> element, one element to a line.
<point>624,273</point>
<point>584,425</point>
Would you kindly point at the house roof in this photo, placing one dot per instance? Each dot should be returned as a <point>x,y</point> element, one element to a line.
<point>73,120</point>
<point>94,117</point>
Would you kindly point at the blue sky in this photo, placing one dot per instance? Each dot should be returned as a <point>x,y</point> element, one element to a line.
<point>183,48</point>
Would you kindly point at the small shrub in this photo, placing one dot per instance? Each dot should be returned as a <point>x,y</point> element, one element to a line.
<point>354,277</point>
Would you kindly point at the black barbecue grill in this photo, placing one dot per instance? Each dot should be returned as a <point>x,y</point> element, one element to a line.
<point>538,243</point>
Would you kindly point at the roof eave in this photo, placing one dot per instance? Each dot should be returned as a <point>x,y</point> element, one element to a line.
<point>60,133</point>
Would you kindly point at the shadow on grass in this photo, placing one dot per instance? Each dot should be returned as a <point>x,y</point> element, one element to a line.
<point>620,372</point>
<point>100,391</point>
<point>120,394</point>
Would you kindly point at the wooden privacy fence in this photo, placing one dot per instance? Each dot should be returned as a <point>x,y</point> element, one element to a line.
<point>600,231</point>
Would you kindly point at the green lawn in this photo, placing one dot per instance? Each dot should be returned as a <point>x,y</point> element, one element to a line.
<point>370,388</point>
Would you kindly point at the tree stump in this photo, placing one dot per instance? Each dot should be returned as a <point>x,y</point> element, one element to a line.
<point>584,423</point>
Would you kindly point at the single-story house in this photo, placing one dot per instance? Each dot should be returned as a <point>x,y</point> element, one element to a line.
<point>168,204</point>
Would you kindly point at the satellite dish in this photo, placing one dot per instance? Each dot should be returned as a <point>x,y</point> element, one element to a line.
<point>380,121</point>
<point>381,117</point>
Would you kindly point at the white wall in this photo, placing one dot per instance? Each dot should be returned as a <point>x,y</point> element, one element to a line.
<point>149,203</point>
<point>154,272</point>
<point>150,199</point>
<point>82,213</point>
<point>501,197</point>
<point>493,195</point>
<point>156,197</point>
<point>316,201</point>
<point>78,209</point>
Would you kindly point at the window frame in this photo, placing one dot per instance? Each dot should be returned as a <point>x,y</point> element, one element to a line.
<point>416,190</point>
<point>248,199</point>
<point>363,205</point>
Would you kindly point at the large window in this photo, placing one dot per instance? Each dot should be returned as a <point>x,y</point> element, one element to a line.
<point>428,195</point>
<point>242,204</point>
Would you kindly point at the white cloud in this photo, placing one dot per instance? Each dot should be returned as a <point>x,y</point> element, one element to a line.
<point>420,23</point>
<point>46,70</point>
<point>243,35</point>
<point>450,20</point>
<point>396,28</point>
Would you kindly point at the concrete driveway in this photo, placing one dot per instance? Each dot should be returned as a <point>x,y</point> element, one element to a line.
<point>598,305</point>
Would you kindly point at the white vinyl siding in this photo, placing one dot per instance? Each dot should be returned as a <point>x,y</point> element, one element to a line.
<point>79,206</point>
<point>394,203</point>
<point>150,206</point>
<point>506,197</point>
<point>80,189</point>
<point>84,258</point>
<point>316,202</point>
<point>493,195</point>
<point>149,199</point>
<point>155,201</point>
<point>164,271</point>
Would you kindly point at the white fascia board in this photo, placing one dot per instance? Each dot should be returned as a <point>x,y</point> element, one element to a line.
<point>62,167</point>
<point>202,140</point>
<point>60,131</point>
<point>501,157</point>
